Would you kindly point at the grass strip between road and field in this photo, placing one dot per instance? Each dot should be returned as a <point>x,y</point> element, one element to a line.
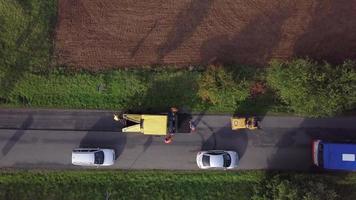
<point>136,90</point>
<point>119,184</point>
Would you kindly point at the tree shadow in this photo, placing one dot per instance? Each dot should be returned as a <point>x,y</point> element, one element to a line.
<point>25,5</point>
<point>96,137</point>
<point>331,34</point>
<point>28,54</point>
<point>225,139</point>
<point>139,44</point>
<point>187,21</point>
<point>164,92</point>
<point>17,135</point>
<point>253,45</point>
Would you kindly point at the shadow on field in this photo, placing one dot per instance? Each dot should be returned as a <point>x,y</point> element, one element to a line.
<point>187,21</point>
<point>27,53</point>
<point>331,34</point>
<point>97,138</point>
<point>17,135</point>
<point>253,45</point>
<point>139,44</point>
<point>164,92</point>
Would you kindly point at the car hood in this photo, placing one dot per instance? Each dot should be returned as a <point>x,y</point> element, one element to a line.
<point>109,157</point>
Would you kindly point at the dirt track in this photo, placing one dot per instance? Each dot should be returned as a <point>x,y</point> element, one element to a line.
<point>108,34</point>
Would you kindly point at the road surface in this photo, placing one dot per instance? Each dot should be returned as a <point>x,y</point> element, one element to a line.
<point>45,138</point>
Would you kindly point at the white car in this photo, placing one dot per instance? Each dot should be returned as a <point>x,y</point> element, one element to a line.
<point>93,157</point>
<point>217,159</point>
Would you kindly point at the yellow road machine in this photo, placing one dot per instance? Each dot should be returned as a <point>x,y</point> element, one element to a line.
<point>155,124</point>
<point>240,122</point>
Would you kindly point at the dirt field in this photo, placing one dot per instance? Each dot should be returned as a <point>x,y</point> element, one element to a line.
<point>103,34</point>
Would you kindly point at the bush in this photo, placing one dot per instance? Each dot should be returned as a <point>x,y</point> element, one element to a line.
<point>313,89</point>
<point>218,87</point>
<point>291,187</point>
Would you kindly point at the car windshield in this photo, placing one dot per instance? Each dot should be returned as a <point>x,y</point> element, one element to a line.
<point>99,157</point>
<point>206,160</point>
<point>227,160</point>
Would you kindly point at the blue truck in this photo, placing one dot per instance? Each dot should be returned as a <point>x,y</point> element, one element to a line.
<point>334,156</point>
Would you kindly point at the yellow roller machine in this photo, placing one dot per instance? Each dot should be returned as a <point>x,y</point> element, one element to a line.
<point>251,123</point>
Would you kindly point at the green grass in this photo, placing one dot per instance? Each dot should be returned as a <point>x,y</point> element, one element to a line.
<point>136,90</point>
<point>25,33</point>
<point>26,42</point>
<point>126,185</point>
<point>93,184</point>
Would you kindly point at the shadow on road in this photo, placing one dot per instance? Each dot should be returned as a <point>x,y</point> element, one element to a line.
<point>42,165</point>
<point>97,138</point>
<point>105,123</point>
<point>225,139</point>
<point>17,135</point>
<point>294,147</point>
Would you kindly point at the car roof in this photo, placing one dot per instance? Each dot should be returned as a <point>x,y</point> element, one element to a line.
<point>216,161</point>
<point>339,156</point>
<point>83,157</point>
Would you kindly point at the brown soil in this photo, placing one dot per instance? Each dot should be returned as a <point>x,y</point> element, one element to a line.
<point>105,34</point>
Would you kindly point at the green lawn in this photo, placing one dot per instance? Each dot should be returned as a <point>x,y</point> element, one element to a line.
<point>94,184</point>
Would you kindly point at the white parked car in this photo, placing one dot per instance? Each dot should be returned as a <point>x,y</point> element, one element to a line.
<point>93,157</point>
<point>217,159</point>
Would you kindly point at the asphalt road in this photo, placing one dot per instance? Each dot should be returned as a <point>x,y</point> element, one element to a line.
<point>45,138</point>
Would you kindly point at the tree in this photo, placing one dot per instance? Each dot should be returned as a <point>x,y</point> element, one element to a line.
<point>313,89</point>
<point>217,86</point>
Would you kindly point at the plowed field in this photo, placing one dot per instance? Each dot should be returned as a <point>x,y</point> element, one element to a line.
<point>104,34</point>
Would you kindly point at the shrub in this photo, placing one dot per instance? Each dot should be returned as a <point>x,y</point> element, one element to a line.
<point>218,87</point>
<point>291,187</point>
<point>258,88</point>
<point>313,89</point>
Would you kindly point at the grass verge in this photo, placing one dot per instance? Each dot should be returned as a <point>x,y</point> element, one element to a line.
<point>120,184</point>
<point>136,90</point>
<point>126,185</point>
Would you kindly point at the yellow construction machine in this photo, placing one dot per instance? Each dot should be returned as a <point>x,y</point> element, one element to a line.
<point>240,122</point>
<point>155,124</point>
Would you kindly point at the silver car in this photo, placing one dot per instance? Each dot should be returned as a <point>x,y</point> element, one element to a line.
<point>217,159</point>
<point>93,157</point>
